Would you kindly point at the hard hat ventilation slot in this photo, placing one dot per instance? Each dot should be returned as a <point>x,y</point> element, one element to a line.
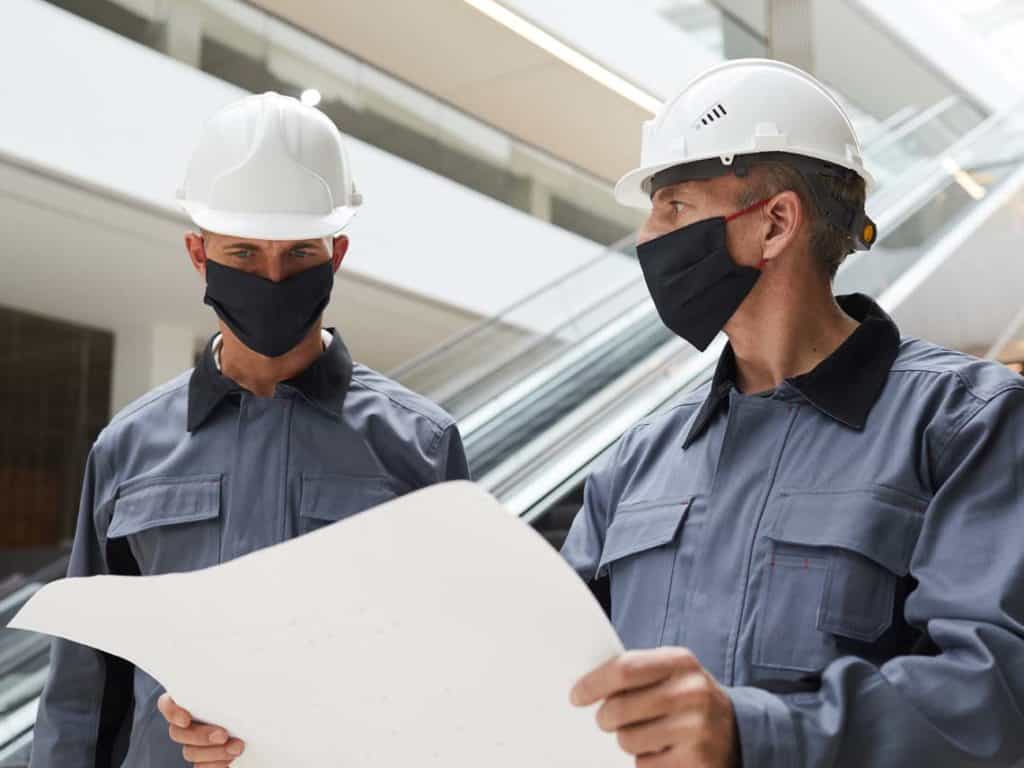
<point>716,112</point>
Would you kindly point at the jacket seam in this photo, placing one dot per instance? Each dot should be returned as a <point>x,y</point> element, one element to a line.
<point>968,387</point>
<point>967,420</point>
<point>439,425</point>
<point>732,643</point>
<point>101,501</point>
<point>649,422</point>
<point>155,396</point>
<point>436,443</point>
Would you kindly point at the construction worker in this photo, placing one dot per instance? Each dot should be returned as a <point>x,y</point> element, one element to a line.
<point>815,559</point>
<point>274,433</point>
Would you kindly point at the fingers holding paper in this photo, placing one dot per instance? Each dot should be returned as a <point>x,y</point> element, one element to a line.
<point>665,709</point>
<point>209,746</point>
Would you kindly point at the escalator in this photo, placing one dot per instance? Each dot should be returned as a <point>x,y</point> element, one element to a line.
<point>24,664</point>
<point>544,388</point>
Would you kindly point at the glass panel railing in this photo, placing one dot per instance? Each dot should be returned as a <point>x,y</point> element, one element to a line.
<point>1008,348</point>
<point>914,215</point>
<point>465,370</point>
<point>955,180</point>
<point>238,43</point>
<point>922,136</point>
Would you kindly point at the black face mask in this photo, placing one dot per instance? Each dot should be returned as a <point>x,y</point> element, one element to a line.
<point>694,282</point>
<point>269,318</point>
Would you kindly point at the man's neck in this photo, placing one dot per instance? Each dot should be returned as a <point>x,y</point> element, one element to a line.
<point>784,332</point>
<point>260,375</point>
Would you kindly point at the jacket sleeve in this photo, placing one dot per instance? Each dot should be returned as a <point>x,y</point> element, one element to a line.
<point>86,706</point>
<point>962,703</point>
<point>585,542</point>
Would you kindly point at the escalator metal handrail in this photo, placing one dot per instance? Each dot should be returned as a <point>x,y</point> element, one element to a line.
<point>532,345</point>
<point>561,396</point>
<point>606,252</point>
<point>923,117</point>
<point>20,596</point>
<point>615,389</point>
<point>891,123</point>
<point>927,176</point>
<point>525,387</point>
<point>23,660</point>
<point>1006,336</point>
<point>660,380</point>
<point>18,722</point>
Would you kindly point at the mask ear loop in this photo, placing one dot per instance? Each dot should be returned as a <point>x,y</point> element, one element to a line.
<point>759,204</point>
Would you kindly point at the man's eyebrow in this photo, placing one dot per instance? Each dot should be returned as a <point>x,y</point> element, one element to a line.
<point>257,246</point>
<point>683,188</point>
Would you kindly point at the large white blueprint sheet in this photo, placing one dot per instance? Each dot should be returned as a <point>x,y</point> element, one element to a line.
<point>434,630</point>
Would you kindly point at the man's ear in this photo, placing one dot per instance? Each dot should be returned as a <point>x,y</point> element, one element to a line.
<point>784,216</point>
<point>196,247</point>
<point>338,250</point>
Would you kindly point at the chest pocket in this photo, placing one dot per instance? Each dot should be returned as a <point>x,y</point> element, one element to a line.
<point>639,557</point>
<point>169,525</point>
<point>831,570</point>
<point>327,499</point>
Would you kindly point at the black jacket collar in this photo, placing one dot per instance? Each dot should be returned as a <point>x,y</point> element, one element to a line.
<point>324,383</point>
<point>844,386</point>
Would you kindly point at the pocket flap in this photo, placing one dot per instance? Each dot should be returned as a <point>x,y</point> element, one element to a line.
<point>335,497</point>
<point>165,502</point>
<point>637,528</point>
<point>881,525</point>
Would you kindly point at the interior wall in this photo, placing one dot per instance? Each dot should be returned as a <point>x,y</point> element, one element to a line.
<point>54,400</point>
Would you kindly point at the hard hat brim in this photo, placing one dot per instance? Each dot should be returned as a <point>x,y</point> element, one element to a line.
<point>630,189</point>
<point>268,226</point>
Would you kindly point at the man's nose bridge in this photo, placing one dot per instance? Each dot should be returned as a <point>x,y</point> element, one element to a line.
<point>650,228</point>
<point>276,267</point>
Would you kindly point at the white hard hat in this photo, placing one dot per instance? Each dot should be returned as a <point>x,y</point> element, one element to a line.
<point>271,168</point>
<point>743,107</point>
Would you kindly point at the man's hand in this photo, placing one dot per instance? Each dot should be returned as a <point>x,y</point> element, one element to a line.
<point>665,708</point>
<point>203,745</point>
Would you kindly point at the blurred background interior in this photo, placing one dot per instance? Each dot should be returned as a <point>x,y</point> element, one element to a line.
<point>490,268</point>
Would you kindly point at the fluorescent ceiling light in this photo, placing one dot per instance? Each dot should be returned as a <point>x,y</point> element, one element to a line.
<point>310,97</point>
<point>570,56</point>
<point>963,178</point>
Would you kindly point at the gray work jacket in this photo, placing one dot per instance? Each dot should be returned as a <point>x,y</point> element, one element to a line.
<point>198,472</point>
<point>845,554</point>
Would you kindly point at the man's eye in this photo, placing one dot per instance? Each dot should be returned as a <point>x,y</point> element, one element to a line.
<point>240,254</point>
<point>677,207</point>
<point>300,253</point>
